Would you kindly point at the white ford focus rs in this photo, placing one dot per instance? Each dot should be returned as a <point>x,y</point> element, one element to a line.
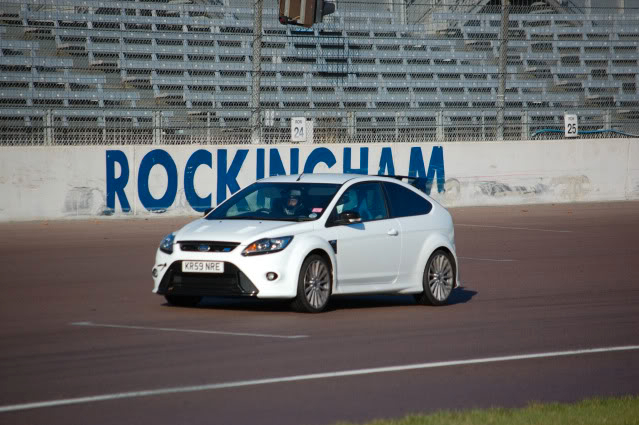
<point>308,237</point>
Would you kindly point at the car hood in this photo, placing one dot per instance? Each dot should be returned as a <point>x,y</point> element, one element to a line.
<point>242,231</point>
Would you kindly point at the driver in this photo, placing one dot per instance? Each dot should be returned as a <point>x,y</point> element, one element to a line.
<point>294,205</point>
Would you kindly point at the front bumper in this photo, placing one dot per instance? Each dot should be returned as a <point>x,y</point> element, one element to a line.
<point>243,276</point>
<point>233,282</point>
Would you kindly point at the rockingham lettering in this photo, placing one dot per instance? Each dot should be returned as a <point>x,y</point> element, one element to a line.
<point>229,165</point>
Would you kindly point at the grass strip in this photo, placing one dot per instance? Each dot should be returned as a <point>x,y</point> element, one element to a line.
<point>597,411</point>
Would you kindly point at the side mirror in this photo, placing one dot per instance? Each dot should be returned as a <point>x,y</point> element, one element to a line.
<point>207,211</point>
<point>348,217</point>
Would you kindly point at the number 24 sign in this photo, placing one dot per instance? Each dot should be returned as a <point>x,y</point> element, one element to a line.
<point>298,129</point>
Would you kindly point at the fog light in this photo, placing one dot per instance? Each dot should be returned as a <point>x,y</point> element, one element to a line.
<point>155,272</point>
<point>271,275</point>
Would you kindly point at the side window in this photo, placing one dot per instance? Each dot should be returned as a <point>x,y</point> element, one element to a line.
<point>404,202</point>
<point>365,198</point>
<point>347,202</point>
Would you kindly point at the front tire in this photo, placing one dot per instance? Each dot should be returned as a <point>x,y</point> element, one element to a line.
<point>313,285</point>
<point>439,279</point>
<point>183,300</point>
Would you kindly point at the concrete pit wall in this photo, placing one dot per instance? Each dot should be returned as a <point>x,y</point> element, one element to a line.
<point>125,181</point>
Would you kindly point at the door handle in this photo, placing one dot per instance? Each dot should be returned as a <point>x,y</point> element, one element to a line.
<point>393,232</point>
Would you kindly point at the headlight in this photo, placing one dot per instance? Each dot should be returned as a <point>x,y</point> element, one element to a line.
<point>266,246</point>
<point>167,244</point>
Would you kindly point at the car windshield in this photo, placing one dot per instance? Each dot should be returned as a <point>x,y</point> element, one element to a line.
<point>277,201</point>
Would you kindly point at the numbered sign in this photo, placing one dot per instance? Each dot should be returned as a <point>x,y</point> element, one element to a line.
<point>571,126</point>
<point>298,129</point>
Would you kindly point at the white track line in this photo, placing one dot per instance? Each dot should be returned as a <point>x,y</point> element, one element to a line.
<point>235,384</point>
<point>513,228</point>
<point>487,259</point>
<point>193,331</point>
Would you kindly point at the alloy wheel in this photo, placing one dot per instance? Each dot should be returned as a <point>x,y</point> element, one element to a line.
<point>440,277</point>
<point>317,284</point>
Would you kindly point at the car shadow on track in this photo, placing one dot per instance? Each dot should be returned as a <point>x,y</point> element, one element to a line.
<point>461,295</point>
<point>458,296</point>
<point>344,302</point>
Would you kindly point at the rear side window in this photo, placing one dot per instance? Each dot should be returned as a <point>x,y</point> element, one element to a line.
<point>404,202</point>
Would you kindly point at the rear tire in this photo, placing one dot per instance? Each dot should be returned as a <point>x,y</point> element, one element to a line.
<point>439,279</point>
<point>313,285</point>
<point>183,300</point>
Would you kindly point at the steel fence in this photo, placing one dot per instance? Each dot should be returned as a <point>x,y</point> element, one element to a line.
<point>80,72</point>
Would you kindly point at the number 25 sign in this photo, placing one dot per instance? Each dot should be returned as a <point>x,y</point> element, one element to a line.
<point>570,125</point>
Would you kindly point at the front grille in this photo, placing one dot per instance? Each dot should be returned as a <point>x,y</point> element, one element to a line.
<point>230,283</point>
<point>208,246</point>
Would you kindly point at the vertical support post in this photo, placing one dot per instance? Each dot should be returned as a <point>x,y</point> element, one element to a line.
<point>439,129</point>
<point>402,12</point>
<point>256,124</point>
<point>48,130</point>
<point>157,127</point>
<point>503,58</point>
<point>102,123</point>
<point>351,120</point>
<point>398,11</point>
<point>524,126</point>
<point>483,127</point>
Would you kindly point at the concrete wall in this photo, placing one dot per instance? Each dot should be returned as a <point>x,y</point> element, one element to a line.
<point>121,181</point>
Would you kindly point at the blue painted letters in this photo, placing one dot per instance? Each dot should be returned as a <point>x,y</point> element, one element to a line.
<point>436,166</point>
<point>259,165</point>
<point>317,156</point>
<point>416,167</point>
<point>363,161</point>
<point>199,157</point>
<point>115,186</point>
<point>228,177</point>
<point>386,166</point>
<point>162,158</point>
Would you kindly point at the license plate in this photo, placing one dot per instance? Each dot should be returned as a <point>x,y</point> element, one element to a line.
<point>203,266</point>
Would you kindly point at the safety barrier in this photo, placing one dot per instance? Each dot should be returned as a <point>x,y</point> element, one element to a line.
<point>131,181</point>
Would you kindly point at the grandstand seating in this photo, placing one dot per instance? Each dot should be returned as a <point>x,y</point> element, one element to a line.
<point>368,74</point>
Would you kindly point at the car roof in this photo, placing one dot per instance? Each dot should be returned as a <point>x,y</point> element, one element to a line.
<point>337,178</point>
<point>314,178</point>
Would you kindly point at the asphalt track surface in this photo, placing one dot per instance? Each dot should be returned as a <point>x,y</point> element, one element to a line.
<point>78,319</point>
